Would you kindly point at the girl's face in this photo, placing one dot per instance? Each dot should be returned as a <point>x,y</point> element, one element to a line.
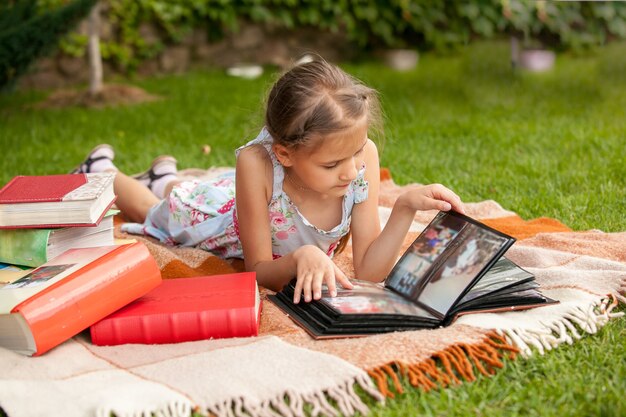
<point>329,168</point>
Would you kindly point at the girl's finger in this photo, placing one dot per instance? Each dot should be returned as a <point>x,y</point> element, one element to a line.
<point>342,279</point>
<point>459,207</point>
<point>297,291</point>
<point>436,204</point>
<point>331,275</point>
<point>306,287</point>
<point>455,201</point>
<point>316,284</point>
<point>449,199</point>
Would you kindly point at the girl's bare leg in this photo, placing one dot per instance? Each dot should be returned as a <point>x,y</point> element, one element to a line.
<point>133,198</point>
<point>168,188</point>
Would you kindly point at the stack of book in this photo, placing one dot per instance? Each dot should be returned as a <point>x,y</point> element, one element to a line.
<point>61,273</point>
<point>43,216</point>
<point>59,268</point>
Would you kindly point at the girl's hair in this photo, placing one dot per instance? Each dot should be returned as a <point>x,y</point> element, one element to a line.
<point>316,99</point>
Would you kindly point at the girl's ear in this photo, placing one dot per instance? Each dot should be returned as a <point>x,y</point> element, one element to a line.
<point>283,154</point>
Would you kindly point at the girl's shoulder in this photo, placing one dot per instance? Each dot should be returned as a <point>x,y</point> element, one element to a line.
<point>371,150</point>
<point>255,154</point>
<point>371,159</point>
<point>254,169</point>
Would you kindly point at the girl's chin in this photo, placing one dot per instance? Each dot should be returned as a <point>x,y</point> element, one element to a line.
<point>334,192</point>
<point>339,191</point>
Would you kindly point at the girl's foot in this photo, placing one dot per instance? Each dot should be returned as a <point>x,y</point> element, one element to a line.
<point>100,159</point>
<point>162,171</point>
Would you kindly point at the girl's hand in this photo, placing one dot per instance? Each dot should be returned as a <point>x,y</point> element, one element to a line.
<point>314,267</point>
<point>431,197</point>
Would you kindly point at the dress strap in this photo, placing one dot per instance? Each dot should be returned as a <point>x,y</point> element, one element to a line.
<point>360,186</point>
<point>264,138</point>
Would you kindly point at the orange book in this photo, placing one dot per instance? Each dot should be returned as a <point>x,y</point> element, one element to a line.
<point>71,292</point>
<point>186,309</point>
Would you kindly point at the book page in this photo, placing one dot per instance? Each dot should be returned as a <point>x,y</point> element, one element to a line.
<point>418,260</point>
<point>474,249</point>
<point>503,274</point>
<point>444,260</point>
<point>370,298</point>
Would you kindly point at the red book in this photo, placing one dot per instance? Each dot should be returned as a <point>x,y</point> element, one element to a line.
<point>186,309</point>
<point>56,200</point>
<point>71,292</point>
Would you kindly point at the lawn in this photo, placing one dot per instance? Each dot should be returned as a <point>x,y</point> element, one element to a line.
<point>549,144</point>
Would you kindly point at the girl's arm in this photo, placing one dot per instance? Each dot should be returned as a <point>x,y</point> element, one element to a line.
<point>376,252</point>
<point>254,181</point>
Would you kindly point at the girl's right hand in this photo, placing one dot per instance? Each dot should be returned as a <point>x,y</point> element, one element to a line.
<point>313,268</point>
<point>431,197</point>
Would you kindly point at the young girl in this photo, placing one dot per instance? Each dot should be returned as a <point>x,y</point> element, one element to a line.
<point>308,180</point>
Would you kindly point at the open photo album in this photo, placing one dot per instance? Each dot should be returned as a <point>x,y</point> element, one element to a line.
<point>454,267</point>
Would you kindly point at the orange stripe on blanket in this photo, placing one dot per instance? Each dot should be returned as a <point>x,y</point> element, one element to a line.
<point>385,174</point>
<point>453,365</point>
<point>210,266</point>
<point>524,229</point>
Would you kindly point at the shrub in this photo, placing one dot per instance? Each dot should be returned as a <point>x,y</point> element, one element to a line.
<point>434,25</point>
<point>27,33</point>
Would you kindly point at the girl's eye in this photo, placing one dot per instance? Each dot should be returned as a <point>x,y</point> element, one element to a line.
<point>330,166</point>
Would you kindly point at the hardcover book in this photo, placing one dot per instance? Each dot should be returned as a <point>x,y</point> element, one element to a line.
<point>56,200</point>
<point>186,309</point>
<point>34,247</point>
<point>65,296</point>
<point>454,267</point>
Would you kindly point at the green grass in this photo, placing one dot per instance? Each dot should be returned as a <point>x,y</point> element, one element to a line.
<point>585,379</point>
<point>549,144</point>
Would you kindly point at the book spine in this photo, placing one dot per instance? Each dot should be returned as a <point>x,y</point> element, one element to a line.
<point>91,293</point>
<point>176,327</point>
<point>24,247</point>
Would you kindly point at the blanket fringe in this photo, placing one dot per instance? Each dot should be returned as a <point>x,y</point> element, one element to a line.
<point>621,294</point>
<point>172,409</point>
<point>565,329</point>
<point>339,400</point>
<point>450,366</point>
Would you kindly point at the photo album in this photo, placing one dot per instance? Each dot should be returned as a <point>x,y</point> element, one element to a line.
<point>454,267</point>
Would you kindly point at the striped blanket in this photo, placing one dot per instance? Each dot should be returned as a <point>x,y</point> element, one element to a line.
<point>283,370</point>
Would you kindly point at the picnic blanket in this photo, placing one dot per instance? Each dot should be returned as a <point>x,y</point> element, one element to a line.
<point>283,371</point>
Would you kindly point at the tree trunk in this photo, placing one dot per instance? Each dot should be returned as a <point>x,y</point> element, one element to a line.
<point>95,59</point>
<point>515,52</point>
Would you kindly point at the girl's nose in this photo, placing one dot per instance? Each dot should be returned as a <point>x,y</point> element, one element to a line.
<point>350,170</point>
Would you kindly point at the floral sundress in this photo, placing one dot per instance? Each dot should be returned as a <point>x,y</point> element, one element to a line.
<point>203,214</point>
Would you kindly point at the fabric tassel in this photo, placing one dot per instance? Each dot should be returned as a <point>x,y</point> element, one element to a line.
<point>332,402</point>
<point>450,366</point>
<point>566,329</point>
<point>173,409</point>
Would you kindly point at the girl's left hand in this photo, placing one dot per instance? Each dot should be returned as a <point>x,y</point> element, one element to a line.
<point>431,197</point>
<point>314,268</point>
